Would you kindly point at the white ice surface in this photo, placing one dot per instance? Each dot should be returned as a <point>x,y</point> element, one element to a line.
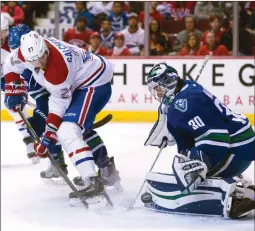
<point>30,205</point>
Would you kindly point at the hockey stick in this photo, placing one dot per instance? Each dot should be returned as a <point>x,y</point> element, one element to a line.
<point>207,57</point>
<point>37,140</point>
<point>102,122</point>
<point>96,125</point>
<point>131,206</point>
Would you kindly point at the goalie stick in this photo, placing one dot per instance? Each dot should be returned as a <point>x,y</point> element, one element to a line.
<point>131,206</point>
<point>207,57</point>
<point>96,125</point>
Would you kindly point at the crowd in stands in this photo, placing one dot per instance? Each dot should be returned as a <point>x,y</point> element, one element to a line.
<point>186,28</point>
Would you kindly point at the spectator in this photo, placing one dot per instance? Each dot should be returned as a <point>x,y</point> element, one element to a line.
<point>15,11</point>
<point>119,49</point>
<point>37,9</point>
<point>205,8</point>
<point>8,17</point>
<point>181,9</point>
<point>226,8</point>
<point>247,34</point>
<point>95,46</point>
<point>82,11</point>
<point>118,18</point>
<point>80,35</point>
<point>183,35</point>
<point>246,30</point>
<point>134,36</point>
<point>98,21</point>
<point>211,47</point>
<point>192,45</point>
<point>107,35</point>
<point>154,14</point>
<point>227,37</point>
<point>215,26</point>
<point>97,8</point>
<point>245,39</point>
<point>155,32</point>
<point>160,46</point>
<point>4,34</point>
<point>250,26</point>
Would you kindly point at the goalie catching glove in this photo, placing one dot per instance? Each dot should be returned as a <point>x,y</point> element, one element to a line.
<point>188,173</point>
<point>159,134</point>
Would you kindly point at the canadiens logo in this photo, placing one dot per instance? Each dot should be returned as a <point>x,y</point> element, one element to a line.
<point>181,105</point>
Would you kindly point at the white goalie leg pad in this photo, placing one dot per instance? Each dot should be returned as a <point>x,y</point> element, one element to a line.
<point>211,197</point>
<point>160,132</point>
<point>71,138</point>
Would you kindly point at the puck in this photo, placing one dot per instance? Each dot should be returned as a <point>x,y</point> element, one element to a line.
<point>146,198</point>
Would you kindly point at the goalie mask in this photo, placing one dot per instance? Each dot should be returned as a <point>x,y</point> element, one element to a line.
<point>162,81</point>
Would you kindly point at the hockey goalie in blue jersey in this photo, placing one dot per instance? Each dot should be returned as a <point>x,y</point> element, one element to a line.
<point>215,146</point>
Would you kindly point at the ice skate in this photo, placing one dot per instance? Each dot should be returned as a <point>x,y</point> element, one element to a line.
<point>51,174</point>
<point>241,207</point>
<point>93,193</point>
<point>30,150</point>
<point>110,177</point>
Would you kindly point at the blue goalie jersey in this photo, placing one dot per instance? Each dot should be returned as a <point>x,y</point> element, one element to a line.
<point>197,119</point>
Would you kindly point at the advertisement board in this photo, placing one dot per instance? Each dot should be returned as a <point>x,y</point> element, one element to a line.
<point>231,80</point>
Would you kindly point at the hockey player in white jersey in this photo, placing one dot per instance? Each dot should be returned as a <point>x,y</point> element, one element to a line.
<point>5,51</point>
<point>79,83</point>
<point>14,66</point>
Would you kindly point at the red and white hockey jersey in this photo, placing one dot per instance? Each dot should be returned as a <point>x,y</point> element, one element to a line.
<point>68,68</point>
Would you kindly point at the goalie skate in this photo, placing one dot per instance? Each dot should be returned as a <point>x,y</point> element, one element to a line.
<point>93,193</point>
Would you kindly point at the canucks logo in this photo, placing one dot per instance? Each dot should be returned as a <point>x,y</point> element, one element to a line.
<point>181,105</point>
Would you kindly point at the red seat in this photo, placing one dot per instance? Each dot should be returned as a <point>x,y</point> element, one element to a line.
<point>173,27</point>
<point>203,24</point>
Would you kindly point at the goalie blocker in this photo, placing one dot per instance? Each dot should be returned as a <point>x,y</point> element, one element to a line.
<point>213,197</point>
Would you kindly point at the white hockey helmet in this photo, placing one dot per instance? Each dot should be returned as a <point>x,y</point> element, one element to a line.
<point>4,22</point>
<point>32,46</point>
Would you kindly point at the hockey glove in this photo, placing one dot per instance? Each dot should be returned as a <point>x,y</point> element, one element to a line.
<point>15,95</point>
<point>188,173</point>
<point>49,137</point>
<point>159,133</point>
